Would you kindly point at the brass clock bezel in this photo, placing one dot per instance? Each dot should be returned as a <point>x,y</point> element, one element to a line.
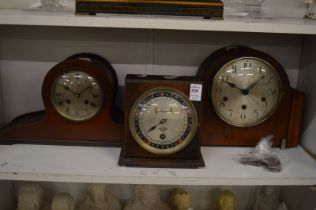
<point>261,119</point>
<point>168,151</point>
<point>64,115</point>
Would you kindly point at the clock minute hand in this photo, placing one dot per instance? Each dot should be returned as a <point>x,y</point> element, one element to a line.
<point>163,121</point>
<point>68,89</point>
<point>232,85</point>
<point>84,90</point>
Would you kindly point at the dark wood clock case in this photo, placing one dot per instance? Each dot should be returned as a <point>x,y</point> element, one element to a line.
<point>134,155</point>
<point>284,123</point>
<point>51,127</point>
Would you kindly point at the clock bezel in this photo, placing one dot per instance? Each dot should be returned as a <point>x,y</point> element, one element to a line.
<point>52,92</point>
<point>264,117</point>
<point>171,150</point>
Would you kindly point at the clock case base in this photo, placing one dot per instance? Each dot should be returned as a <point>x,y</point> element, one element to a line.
<point>134,155</point>
<point>24,129</point>
<point>51,128</point>
<point>284,123</point>
<point>162,163</point>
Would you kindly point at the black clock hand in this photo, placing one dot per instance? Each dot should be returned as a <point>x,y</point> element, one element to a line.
<point>84,90</point>
<point>68,89</point>
<point>163,121</point>
<point>232,85</point>
<point>252,85</point>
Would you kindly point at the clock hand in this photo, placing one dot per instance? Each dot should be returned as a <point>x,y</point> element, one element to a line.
<point>87,88</point>
<point>232,85</point>
<point>68,89</point>
<point>163,121</point>
<point>252,85</point>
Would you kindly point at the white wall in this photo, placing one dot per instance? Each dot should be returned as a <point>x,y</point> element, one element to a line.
<point>307,84</point>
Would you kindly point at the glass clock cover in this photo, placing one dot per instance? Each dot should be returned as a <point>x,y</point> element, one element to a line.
<point>76,95</point>
<point>246,91</point>
<point>163,121</point>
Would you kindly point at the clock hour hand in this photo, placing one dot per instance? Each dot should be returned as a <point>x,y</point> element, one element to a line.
<point>252,85</point>
<point>163,121</point>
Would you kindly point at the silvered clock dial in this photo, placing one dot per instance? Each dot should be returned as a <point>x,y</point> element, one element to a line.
<point>246,91</point>
<point>163,121</point>
<point>76,95</point>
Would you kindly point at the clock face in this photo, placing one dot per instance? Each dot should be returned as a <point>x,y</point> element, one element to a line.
<point>163,121</point>
<point>76,95</point>
<point>246,91</point>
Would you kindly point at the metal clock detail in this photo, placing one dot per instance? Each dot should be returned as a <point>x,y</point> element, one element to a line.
<point>161,129</point>
<point>248,96</point>
<point>163,121</point>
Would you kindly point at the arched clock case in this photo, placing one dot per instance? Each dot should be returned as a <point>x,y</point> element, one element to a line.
<point>161,123</point>
<point>78,96</point>
<point>248,96</point>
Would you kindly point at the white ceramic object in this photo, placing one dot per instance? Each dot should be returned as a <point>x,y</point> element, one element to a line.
<point>99,198</point>
<point>63,201</point>
<point>227,200</point>
<point>267,198</point>
<point>182,199</point>
<point>146,197</point>
<point>30,197</point>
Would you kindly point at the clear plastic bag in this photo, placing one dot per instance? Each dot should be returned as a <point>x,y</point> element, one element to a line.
<point>265,156</point>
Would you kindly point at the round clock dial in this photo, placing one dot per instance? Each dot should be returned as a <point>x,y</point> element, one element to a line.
<point>163,121</point>
<point>76,95</point>
<point>246,91</point>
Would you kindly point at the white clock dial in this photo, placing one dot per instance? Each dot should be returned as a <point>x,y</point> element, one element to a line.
<point>76,96</point>
<point>246,91</point>
<point>163,121</point>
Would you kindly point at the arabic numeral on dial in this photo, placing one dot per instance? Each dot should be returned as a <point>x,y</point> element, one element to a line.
<point>243,116</point>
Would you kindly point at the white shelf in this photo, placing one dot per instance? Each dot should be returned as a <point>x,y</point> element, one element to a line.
<point>99,164</point>
<point>39,18</point>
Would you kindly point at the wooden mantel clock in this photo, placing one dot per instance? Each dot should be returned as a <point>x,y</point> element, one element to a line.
<point>248,96</point>
<point>78,96</point>
<point>161,122</point>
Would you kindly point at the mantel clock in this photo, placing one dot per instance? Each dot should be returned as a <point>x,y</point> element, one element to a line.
<point>161,123</point>
<point>248,96</point>
<point>78,96</point>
